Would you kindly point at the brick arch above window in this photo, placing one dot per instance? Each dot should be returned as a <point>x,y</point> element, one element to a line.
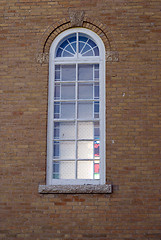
<point>66,23</point>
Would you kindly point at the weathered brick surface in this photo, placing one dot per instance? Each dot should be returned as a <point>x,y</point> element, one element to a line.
<point>133,93</point>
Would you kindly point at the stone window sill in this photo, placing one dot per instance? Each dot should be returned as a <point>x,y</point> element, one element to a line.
<point>76,189</point>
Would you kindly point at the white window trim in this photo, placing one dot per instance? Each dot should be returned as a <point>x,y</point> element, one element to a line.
<point>101,60</point>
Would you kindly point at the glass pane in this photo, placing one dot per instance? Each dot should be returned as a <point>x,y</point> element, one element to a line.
<point>82,37</point>
<point>64,170</point>
<point>96,149</point>
<point>67,170</point>
<point>57,67</point>
<point>56,150</point>
<point>56,109</point>
<point>57,75</point>
<point>59,52</point>
<point>57,91</point>
<point>85,49</point>
<point>85,110</point>
<point>68,110</point>
<point>96,130</point>
<point>64,44</point>
<point>69,49</point>
<point>56,130</point>
<point>68,73</point>
<point>91,43</point>
<point>96,91</point>
<point>64,130</point>
<point>96,71</point>
<point>85,170</point>
<point>67,54</point>
<point>74,46</point>
<point>96,109</point>
<point>85,91</point>
<point>85,72</point>
<point>85,149</point>
<point>56,169</point>
<point>67,149</point>
<point>67,91</point>
<point>85,130</point>
<point>67,130</point>
<point>88,53</point>
<point>96,170</point>
<point>81,45</point>
<point>96,51</point>
<point>96,74</point>
<point>72,39</point>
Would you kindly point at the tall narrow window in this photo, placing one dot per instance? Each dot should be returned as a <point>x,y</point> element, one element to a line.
<point>76,111</point>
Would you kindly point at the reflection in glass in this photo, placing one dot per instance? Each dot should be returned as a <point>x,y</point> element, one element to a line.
<point>96,148</point>
<point>96,169</point>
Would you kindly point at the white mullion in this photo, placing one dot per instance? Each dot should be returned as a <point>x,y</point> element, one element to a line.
<point>80,100</point>
<point>80,159</point>
<point>73,60</point>
<point>72,120</point>
<point>64,81</point>
<point>60,92</point>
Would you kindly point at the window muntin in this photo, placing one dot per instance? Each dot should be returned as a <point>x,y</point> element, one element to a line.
<point>74,145</point>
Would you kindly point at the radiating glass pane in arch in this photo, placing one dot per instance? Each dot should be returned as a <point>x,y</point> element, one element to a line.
<point>67,46</point>
<point>87,47</point>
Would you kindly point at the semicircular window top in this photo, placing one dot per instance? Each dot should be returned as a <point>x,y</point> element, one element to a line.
<point>77,44</point>
<point>76,109</point>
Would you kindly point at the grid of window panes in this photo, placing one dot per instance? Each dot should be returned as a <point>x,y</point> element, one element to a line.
<point>76,122</point>
<point>76,131</point>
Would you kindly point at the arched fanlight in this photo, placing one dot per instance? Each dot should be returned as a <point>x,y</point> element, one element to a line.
<point>77,43</point>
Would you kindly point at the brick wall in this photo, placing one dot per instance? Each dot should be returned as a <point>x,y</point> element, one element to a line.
<point>132,211</point>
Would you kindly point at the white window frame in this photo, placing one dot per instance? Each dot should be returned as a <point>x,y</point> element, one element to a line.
<point>72,60</point>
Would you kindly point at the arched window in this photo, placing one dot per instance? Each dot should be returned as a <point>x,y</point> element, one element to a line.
<point>76,109</point>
